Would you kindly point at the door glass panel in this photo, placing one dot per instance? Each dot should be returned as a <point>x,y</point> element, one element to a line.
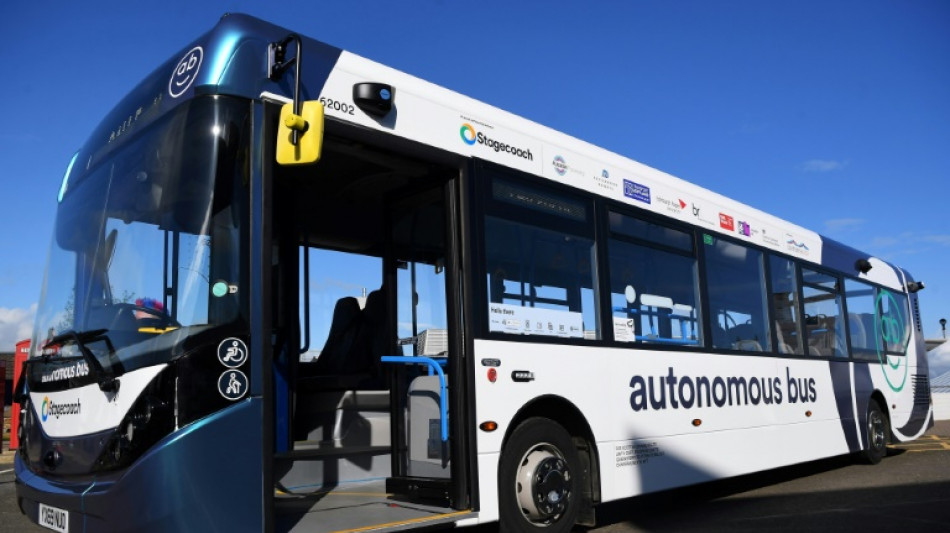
<point>422,323</point>
<point>339,285</point>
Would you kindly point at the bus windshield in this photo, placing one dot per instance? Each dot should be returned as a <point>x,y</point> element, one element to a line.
<point>148,241</point>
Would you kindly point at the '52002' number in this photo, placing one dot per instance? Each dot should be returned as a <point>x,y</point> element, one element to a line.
<point>336,105</point>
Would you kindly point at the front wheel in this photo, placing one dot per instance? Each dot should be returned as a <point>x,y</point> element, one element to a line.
<point>538,479</point>
<point>877,428</point>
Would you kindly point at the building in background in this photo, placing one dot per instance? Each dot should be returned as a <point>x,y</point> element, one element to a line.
<point>939,350</point>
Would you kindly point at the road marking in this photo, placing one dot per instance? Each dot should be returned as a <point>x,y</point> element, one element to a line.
<point>5,471</point>
<point>927,443</point>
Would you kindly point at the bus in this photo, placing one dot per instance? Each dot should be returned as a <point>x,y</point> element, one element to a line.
<point>292,289</point>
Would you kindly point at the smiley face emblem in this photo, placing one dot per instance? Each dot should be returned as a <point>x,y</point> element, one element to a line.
<point>185,72</point>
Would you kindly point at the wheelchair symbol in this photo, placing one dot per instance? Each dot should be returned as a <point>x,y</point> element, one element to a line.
<point>232,352</point>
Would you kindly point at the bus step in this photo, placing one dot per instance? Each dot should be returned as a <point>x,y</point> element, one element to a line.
<point>430,490</point>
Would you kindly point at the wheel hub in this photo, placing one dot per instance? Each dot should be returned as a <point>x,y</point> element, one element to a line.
<point>543,485</point>
<point>876,426</point>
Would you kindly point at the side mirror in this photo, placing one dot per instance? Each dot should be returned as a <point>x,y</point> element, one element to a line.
<point>300,137</point>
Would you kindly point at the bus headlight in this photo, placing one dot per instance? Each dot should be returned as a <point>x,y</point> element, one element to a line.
<point>149,420</point>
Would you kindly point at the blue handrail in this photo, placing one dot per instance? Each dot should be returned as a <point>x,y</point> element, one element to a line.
<point>433,365</point>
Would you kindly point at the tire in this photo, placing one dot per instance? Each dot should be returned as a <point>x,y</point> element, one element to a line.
<point>876,431</point>
<point>538,479</point>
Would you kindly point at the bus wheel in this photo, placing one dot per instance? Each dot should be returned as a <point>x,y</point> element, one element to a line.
<point>877,429</point>
<point>538,479</point>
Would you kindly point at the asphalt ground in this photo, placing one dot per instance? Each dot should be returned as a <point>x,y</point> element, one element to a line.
<point>908,492</point>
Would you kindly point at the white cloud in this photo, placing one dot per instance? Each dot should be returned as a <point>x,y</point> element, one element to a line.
<point>882,242</point>
<point>943,240</point>
<point>939,359</point>
<point>16,324</point>
<point>843,224</point>
<point>823,165</point>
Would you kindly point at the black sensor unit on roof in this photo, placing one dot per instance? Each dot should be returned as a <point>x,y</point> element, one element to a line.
<point>374,98</point>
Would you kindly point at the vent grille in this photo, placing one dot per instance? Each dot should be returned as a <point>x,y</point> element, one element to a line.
<point>917,315</point>
<point>921,389</point>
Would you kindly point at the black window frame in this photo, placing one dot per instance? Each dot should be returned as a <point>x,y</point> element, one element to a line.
<point>605,271</point>
<point>595,226</point>
<point>487,205</point>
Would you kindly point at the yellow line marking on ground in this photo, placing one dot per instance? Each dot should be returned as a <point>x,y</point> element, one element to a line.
<point>405,522</point>
<point>927,443</point>
<point>330,493</point>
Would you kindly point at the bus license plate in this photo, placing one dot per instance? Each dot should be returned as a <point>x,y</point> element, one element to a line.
<point>54,518</point>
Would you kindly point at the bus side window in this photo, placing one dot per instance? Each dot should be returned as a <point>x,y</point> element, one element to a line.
<point>824,326</point>
<point>540,282</point>
<point>735,277</point>
<point>785,299</point>
<point>653,283</point>
<point>860,299</point>
<point>540,261</point>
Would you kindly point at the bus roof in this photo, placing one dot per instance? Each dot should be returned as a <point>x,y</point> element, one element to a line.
<point>230,60</point>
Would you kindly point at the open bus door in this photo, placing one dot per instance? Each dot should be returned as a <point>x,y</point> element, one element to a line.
<point>369,372</point>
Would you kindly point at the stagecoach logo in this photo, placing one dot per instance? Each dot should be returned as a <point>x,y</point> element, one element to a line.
<point>894,332</point>
<point>185,72</point>
<point>471,137</point>
<point>49,408</point>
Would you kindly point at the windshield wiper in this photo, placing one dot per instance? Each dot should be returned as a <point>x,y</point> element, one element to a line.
<point>105,378</point>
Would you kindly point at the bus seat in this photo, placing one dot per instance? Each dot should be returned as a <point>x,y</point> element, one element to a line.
<point>373,340</point>
<point>720,337</point>
<point>747,345</point>
<point>781,345</point>
<point>744,337</point>
<point>859,335</point>
<point>344,327</point>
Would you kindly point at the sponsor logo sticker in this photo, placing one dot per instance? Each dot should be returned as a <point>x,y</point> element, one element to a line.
<point>726,222</point>
<point>638,192</point>
<point>745,228</point>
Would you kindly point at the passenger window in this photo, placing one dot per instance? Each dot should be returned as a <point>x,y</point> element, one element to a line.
<point>824,329</point>
<point>339,285</point>
<point>540,262</point>
<point>788,330</point>
<point>894,321</point>
<point>540,282</point>
<point>860,297</point>
<point>736,282</point>
<point>654,292</point>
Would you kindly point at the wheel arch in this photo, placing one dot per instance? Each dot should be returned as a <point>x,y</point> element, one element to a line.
<point>567,415</point>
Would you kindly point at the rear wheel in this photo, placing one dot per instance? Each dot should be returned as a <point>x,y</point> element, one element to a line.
<point>538,479</point>
<point>877,429</point>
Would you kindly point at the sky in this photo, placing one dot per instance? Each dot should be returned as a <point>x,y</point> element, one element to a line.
<point>832,115</point>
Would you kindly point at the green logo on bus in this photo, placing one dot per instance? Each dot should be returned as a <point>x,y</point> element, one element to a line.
<point>893,332</point>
